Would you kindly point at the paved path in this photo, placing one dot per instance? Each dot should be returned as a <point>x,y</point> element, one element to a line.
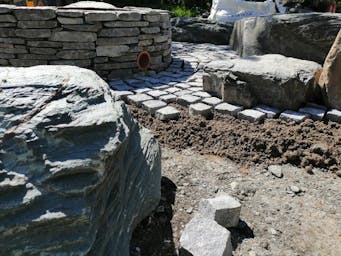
<point>182,83</point>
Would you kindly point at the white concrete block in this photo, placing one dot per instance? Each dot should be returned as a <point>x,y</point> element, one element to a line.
<point>213,101</point>
<point>167,113</point>
<point>137,99</point>
<point>187,99</point>
<point>317,114</point>
<point>226,108</point>
<point>270,112</point>
<point>334,115</point>
<point>292,116</point>
<point>252,115</point>
<point>200,109</point>
<point>152,105</point>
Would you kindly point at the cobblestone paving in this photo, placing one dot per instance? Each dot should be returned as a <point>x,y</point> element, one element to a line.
<point>182,83</point>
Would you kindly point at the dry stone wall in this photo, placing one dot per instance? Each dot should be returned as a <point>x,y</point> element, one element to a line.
<point>104,40</point>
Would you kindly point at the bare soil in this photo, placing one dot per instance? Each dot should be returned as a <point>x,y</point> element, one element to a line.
<point>309,144</point>
<point>201,158</point>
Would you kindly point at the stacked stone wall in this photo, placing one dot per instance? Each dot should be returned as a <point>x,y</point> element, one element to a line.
<point>104,40</point>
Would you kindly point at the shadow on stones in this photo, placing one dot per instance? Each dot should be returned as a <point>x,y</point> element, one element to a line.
<point>238,234</point>
<point>154,235</point>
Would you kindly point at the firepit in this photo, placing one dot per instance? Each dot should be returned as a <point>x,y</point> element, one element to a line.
<point>94,35</point>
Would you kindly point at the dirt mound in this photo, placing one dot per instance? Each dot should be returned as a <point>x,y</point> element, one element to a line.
<point>309,144</point>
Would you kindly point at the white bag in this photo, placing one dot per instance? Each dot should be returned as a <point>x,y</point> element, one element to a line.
<point>231,10</point>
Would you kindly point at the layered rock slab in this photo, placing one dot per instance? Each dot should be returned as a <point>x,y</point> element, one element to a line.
<point>273,79</point>
<point>306,36</point>
<point>77,173</point>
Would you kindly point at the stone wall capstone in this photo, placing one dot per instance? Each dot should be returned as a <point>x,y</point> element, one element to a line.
<point>106,40</point>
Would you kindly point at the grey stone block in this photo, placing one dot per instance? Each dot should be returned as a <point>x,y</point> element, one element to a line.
<point>137,99</point>
<point>200,109</point>
<point>156,93</point>
<point>126,24</point>
<point>205,237</point>
<point>74,36</point>
<point>35,13</point>
<point>153,105</point>
<point>213,101</point>
<point>202,94</point>
<point>78,46</point>
<point>226,108</point>
<point>76,54</point>
<point>37,24</point>
<point>119,32</point>
<point>151,30</point>
<point>33,33</point>
<point>121,95</point>
<point>84,27</point>
<point>187,99</point>
<point>7,18</point>
<point>334,115</point>
<point>317,114</point>
<point>296,117</point>
<point>270,112</point>
<point>172,90</point>
<point>96,16</point>
<point>70,21</point>
<point>167,113</point>
<point>224,209</point>
<point>112,50</point>
<point>168,98</point>
<point>129,16</point>
<point>252,115</point>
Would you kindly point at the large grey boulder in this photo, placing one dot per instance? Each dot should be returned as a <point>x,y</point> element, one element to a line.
<point>199,30</point>
<point>306,36</point>
<point>77,173</point>
<point>272,79</point>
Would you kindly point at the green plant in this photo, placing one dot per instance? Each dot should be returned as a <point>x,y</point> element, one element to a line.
<point>180,11</point>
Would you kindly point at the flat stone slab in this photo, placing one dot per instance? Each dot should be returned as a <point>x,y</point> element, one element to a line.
<point>224,209</point>
<point>187,99</point>
<point>272,79</point>
<point>226,108</point>
<point>168,98</point>
<point>252,115</point>
<point>213,101</point>
<point>204,237</point>
<point>294,116</point>
<point>167,113</point>
<point>156,93</point>
<point>317,114</point>
<point>200,109</point>
<point>202,94</point>
<point>137,99</point>
<point>121,95</point>
<point>269,111</point>
<point>334,115</point>
<point>153,105</point>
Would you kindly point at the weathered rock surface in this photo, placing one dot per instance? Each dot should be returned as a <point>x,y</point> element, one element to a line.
<point>306,36</point>
<point>202,237</point>
<point>77,173</point>
<point>271,79</point>
<point>198,30</point>
<point>224,209</point>
<point>330,79</point>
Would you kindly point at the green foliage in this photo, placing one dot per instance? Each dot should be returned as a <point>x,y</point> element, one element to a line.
<point>179,11</point>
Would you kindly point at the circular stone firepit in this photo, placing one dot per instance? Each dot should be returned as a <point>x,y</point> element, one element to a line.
<point>92,35</point>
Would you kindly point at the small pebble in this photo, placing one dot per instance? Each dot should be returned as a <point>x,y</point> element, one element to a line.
<point>189,210</point>
<point>295,189</point>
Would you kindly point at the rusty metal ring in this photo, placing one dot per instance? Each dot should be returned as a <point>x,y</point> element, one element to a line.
<point>143,60</point>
